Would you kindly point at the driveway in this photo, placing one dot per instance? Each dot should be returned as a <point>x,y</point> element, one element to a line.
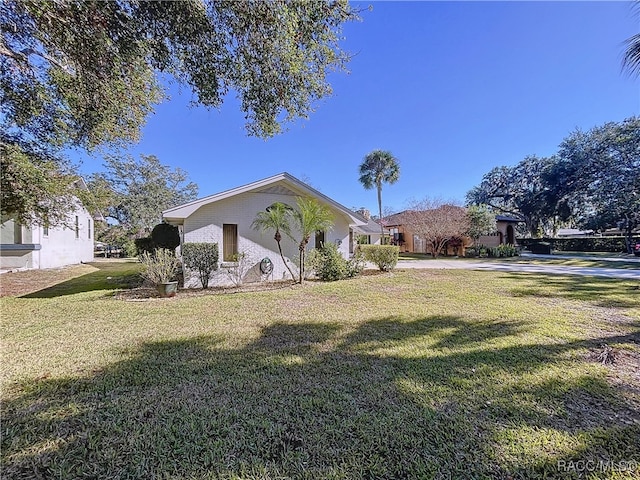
<point>629,274</point>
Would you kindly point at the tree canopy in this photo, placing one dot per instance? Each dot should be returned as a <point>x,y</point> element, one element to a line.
<point>137,191</point>
<point>592,182</point>
<point>87,74</point>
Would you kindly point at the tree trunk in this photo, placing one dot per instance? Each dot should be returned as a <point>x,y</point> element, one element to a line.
<point>277,237</point>
<point>380,213</point>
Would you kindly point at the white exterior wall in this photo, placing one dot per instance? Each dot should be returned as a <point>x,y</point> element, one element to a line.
<point>60,247</point>
<point>205,225</point>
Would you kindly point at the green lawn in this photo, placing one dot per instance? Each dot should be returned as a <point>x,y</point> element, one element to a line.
<point>413,374</point>
<point>532,260</point>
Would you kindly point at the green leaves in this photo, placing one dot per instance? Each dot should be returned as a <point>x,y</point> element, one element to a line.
<point>94,65</point>
<point>141,189</point>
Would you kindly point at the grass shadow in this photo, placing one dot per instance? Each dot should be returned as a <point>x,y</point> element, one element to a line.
<point>110,276</point>
<point>315,402</point>
<point>603,292</point>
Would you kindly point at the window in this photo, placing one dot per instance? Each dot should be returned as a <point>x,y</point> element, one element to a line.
<point>45,229</point>
<point>89,228</point>
<point>77,227</point>
<point>319,239</point>
<point>229,242</point>
<point>17,232</point>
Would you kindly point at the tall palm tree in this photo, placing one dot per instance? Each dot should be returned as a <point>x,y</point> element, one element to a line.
<point>310,217</point>
<point>276,217</point>
<point>631,59</point>
<point>378,167</point>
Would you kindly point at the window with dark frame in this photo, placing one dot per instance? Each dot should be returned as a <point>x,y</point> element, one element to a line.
<point>229,242</point>
<point>77,227</point>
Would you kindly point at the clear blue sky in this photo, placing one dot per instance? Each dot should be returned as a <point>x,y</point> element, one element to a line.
<point>452,89</point>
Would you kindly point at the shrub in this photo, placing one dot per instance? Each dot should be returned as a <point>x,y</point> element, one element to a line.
<point>129,248</point>
<point>165,236</point>
<point>143,245</point>
<point>541,248</point>
<point>355,265</point>
<point>237,269</point>
<point>385,257</point>
<point>503,250</point>
<point>580,244</point>
<point>329,264</point>
<point>160,266</point>
<point>201,257</point>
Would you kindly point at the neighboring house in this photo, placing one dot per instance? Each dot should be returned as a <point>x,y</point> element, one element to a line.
<point>402,235</point>
<point>225,218</point>
<point>505,232</point>
<point>24,247</point>
<point>573,232</point>
<point>368,234</point>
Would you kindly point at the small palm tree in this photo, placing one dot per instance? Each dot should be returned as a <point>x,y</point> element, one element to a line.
<point>310,217</point>
<point>379,167</point>
<point>276,217</point>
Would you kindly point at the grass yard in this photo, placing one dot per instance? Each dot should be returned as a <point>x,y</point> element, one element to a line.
<point>628,262</point>
<point>412,374</point>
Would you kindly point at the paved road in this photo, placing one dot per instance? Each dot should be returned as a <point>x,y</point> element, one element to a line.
<point>629,274</point>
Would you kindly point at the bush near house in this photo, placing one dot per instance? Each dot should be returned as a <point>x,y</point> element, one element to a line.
<point>164,235</point>
<point>201,257</point>
<point>504,250</point>
<point>384,256</point>
<point>143,245</point>
<point>160,266</point>
<point>329,264</point>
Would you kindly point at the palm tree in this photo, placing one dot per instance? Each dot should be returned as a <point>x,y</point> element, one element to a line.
<point>310,217</point>
<point>276,217</point>
<point>631,59</point>
<point>379,167</point>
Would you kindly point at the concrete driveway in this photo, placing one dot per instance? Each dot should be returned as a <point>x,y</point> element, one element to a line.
<point>629,274</point>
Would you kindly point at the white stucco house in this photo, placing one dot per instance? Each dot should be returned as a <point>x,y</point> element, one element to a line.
<point>25,247</point>
<point>226,217</point>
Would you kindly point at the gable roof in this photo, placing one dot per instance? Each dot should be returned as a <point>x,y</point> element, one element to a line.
<point>371,227</point>
<point>280,183</point>
<point>398,219</point>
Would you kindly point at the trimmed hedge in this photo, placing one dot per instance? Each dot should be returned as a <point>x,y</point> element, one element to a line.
<point>579,244</point>
<point>143,245</point>
<point>165,236</point>
<point>384,256</point>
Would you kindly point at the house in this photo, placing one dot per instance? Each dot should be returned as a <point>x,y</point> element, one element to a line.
<point>402,235</point>
<point>225,218</point>
<point>504,234</point>
<point>370,233</point>
<point>24,247</point>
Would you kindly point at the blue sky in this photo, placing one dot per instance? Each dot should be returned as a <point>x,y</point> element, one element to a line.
<point>452,89</point>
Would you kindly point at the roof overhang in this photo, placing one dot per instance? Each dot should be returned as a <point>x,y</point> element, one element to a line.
<point>176,215</point>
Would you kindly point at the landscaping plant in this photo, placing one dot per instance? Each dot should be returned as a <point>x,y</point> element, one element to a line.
<point>385,257</point>
<point>201,257</point>
<point>160,266</point>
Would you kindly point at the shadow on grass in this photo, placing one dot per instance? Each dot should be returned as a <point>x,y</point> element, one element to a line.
<point>110,276</point>
<point>604,292</point>
<point>316,401</point>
